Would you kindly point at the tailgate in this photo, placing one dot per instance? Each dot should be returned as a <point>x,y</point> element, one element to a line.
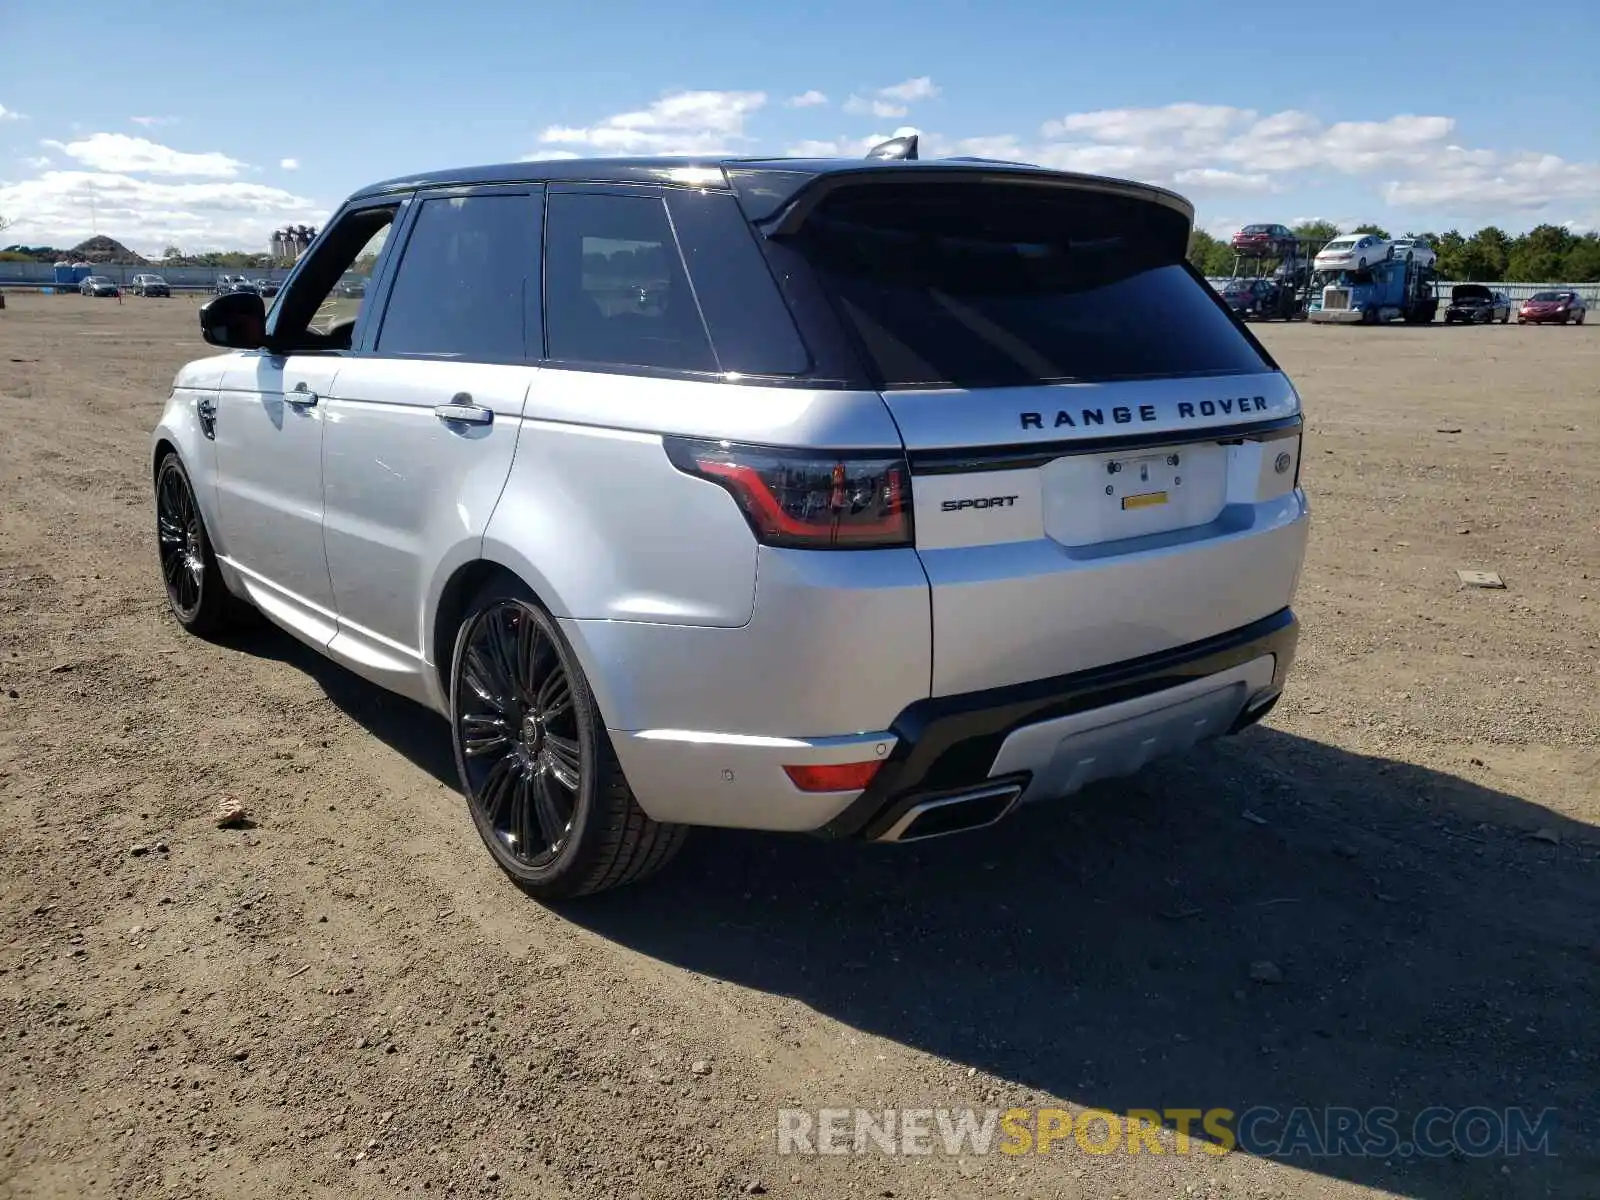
<point>1063,554</point>
<point>1103,458</point>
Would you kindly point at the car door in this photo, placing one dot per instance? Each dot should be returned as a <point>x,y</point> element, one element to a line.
<point>423,420</point>
<point>268,429</point>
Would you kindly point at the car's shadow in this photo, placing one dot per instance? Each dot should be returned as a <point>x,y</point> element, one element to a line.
<point>1438,942</point>
<point>416,732</point>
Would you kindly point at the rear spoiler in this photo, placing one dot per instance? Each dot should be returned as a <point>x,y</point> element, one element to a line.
<point>781,213</point>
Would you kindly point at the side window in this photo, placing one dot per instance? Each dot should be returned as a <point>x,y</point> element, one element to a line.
<point>343,304</point>
<point>615,290</point>
<point>461,288</point>
<point>319,309</point>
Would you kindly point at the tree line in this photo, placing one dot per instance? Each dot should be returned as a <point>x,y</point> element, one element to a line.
<point>1545,254</point>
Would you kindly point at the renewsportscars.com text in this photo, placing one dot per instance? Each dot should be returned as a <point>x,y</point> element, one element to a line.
<point>1262,1130</point>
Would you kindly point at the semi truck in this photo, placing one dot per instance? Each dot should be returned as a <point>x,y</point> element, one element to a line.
<point>1386,291</point>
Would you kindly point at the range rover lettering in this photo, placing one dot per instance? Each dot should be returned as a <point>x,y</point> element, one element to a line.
<point>860,498</point>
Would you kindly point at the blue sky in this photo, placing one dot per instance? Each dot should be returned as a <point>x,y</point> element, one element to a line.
<point>208,125</point>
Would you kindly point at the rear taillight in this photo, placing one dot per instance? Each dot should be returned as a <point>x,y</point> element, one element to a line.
<point>806,499</point>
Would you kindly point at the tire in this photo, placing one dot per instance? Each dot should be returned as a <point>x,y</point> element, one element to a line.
<point>534,758</point>
<point>1578,320</point>
<point>1506,318</point>
<point>193,582</point>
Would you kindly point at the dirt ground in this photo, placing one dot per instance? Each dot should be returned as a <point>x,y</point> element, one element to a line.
<point>349,1000</point>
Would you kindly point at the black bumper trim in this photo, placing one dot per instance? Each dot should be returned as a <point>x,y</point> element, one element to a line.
<point>947,743</point>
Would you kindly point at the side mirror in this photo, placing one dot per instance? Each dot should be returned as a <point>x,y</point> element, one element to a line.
<point>235,321</point>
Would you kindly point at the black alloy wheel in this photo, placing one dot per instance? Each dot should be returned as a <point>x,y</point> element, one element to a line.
<point>541,777</point>
<point>517,730</point>
<point>189,571</point>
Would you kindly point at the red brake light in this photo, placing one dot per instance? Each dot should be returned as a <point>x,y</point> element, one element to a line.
<point>806,499</point>
<point>833,777</point>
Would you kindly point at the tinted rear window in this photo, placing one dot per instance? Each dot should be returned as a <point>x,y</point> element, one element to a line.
<point>988,285</point>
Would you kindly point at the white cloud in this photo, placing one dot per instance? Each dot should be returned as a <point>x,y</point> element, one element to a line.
<point>119,153</point>
<point>1467,182</point>
<point>62,208</point>
<point>845,147</point>
<point>549,155</point>
<point>1212,177</point>
<point>1003,145</point>
<point>690,123</point>
<point>149,122</point>
<point>1221,148</point>
<point>920,88</point>
<point>8,114</point>
<point>815,148</point>
<point>38,164</point>
<point>894,100</point>
<point>1413,162</point>
<point>289,164</point>
<point>877,108</point>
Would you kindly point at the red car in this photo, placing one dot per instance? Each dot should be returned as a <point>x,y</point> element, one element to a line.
<point>1269,241</point>
<point>1559,307</point>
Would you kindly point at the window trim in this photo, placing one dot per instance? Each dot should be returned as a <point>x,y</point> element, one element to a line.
<point>532,330</point>
<point>401,204</point>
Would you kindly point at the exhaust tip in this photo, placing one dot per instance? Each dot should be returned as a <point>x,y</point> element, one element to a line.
<point>960,813</point>
<point>1255,711</point>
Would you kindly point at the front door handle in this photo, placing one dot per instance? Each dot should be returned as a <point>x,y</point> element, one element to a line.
<point>462,409</point>
<point>301,396</point>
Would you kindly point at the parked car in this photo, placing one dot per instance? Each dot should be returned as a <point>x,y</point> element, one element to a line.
<point>1248,297</point>
<point>1559,307</point>
<point>1413,250</point>
<point>98,285</point>
<point>1477,305</point>
<point>355,287</point>
<point>266,287</point>
<point>1351,252</point>
<point>149,285</point>
<point>1267,240</point>
<point>871,564</point>
<point>232,283</point>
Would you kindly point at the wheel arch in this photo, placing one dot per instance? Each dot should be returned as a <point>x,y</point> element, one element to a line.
<point>453,591</point>
<point>165,445</point>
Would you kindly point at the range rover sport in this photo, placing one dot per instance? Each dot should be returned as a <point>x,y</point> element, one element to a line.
<point>870,499</point>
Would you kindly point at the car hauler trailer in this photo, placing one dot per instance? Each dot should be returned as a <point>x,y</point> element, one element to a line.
<point>1290,278</point>
<point>1384,291</point>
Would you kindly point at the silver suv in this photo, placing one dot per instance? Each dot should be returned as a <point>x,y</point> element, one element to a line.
<point>866,498</point>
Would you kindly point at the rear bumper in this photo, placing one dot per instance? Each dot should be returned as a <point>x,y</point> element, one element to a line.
<point>1337,316</point>
<point>1051,736</point>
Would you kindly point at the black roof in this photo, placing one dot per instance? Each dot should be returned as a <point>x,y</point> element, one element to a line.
<point>763,184</point>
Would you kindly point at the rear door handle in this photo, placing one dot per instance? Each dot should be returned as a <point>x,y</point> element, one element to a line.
<point>461,409</point>
<point>301,396</point>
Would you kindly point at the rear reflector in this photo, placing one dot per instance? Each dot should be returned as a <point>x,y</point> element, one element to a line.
<point>833,777</point>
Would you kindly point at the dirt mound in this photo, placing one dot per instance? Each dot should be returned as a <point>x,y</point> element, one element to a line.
<point>102,249</point>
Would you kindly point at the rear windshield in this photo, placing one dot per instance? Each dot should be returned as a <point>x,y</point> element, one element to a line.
<point>989,285</point>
